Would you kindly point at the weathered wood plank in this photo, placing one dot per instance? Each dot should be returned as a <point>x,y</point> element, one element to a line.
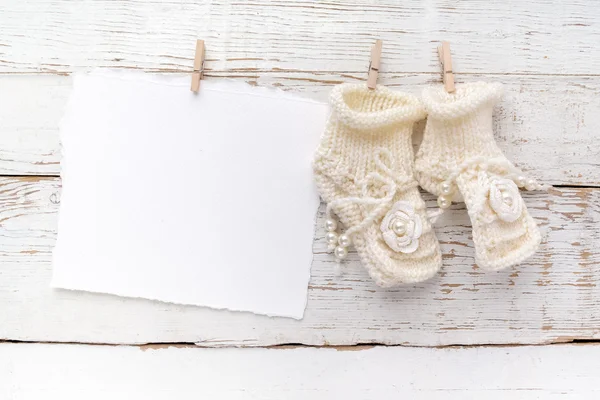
<point>34,371</point>
<point>542,37</point>
<point>546,126</point>
<point>552,298</point>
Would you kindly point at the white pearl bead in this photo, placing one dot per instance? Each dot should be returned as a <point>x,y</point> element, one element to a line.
<point>530,185</point>
<point>444,202</point>
<point>446,188</point>
<point>331,237</point>
<point>340,252</point>
<point>344,240</point>
<point>331,225</point>
<point>399,227</point>
<point>507,198</point>
<point>521,181</point>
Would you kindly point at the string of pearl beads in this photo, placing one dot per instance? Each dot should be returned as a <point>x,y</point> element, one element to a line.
<point>337,243</point>
<point>527,184</point>
<point>445,199</point>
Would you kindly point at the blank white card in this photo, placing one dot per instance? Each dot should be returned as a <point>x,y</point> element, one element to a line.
<point>204,199</point>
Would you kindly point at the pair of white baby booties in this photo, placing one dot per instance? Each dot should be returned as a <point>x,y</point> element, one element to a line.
<point>366,172</point>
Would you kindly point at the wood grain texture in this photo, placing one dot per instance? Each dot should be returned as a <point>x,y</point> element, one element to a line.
<point>36,371</point>
<point>554,297</point>
<point>546,54</point>
<point>542,37</point>
<point>548,127</point>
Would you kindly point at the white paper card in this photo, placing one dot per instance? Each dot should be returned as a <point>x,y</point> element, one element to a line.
<point>203,199</point>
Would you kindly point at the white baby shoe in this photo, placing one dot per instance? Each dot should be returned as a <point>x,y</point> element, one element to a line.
<point>364,172</point>
<point>459,161</point>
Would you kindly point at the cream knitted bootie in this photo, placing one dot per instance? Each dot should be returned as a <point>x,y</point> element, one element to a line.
<point>364,172</point>
<point>459,159</point>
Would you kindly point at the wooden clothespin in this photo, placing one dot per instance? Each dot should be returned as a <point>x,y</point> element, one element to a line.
<point>198,66</point>
<point>374,64</point>
<point>446,61</point>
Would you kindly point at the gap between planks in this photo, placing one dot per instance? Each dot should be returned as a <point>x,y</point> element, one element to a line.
<point>286,346</point>
<point>214,73</point>
<point>35,178</point>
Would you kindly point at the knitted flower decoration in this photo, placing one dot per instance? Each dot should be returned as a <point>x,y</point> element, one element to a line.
<point>505,199</point>
<point>402,228</point>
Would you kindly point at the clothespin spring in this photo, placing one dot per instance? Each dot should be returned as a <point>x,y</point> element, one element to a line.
<point>374,64</point>
<point>446,61</point>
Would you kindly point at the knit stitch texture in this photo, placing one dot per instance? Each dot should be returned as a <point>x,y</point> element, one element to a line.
<point>459,159</point>
<point>364,171</point>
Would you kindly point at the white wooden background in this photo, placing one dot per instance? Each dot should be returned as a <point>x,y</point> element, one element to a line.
<point>545,52</point>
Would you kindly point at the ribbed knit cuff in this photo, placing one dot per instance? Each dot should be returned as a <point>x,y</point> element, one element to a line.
<point>466,100</point>
<point>361,108</point>
<point>459,125</point>
<point>459,129</point>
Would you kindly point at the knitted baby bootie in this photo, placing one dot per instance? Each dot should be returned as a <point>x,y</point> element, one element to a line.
<point>459,160</point>
<point>364,172</point>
